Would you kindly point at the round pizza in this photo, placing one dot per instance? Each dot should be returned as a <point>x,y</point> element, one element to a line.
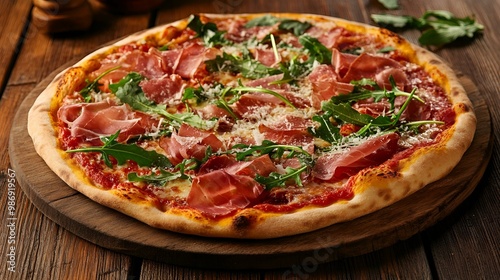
<point>253,125</point>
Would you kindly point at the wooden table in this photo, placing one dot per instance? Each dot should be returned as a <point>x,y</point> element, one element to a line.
<point>465,245</point>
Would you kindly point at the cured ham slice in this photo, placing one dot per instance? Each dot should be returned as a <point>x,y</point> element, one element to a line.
<point>328,38</point>
<point>325,85</point>
<point>188,60</point>
<point>255,102</point>
<point>220,193</point>
<point>93,120</point>
<point>368,66</point>
<point>225,184</point>
<point>163,89</point>
<point>189,142</point>
<point>292,131</point>
<point>371,153</point>
<point>265,56</point>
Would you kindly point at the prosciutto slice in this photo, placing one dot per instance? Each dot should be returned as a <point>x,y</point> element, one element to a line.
<point>225,184</point>
<point>220,193</point>
<point>371,153</point>
<point>189,142</point>
<point>188,60</point>
<point>93,120</point>
<point>292,131</point>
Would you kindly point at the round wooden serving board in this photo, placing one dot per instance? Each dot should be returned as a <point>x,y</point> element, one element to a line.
<point>118,232</point>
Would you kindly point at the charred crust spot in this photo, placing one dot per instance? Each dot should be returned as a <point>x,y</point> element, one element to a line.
<point>388,174</point>
<point>242,222</point>
<point>435,62</point>
<point>463,108</point>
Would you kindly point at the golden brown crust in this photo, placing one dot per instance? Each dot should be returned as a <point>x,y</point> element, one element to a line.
<point>374,189</point>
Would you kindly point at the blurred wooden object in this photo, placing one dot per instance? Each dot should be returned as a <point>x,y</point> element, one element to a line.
<point>55,16</point>
<point>128,6</point>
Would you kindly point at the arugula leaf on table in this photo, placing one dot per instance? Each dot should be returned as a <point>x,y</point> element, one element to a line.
<point>207,31</point>
<point>317,51</point>
<point>129,92</point>
<point>123,152</point>
<point>438,27</point>
<point>94,86</point>
<point>389,4</point>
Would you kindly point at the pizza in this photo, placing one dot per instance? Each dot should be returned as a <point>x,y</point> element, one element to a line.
<point>253,125</point>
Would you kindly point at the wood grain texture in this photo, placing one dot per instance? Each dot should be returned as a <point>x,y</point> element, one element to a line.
<point>118,232</point>
<point>11,33</point>
<point>470,234</point>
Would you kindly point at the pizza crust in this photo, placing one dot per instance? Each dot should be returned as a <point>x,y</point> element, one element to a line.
<point>372,191</point>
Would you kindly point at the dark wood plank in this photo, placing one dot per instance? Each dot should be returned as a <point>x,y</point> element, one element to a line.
<point>13,17</point>
<point>44,250</point>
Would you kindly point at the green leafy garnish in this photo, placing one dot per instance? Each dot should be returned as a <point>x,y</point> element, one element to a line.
<point>158,179</point>
<point>276,179</point>
<point>94,86</point>
<point>360,92</point>
<point>248,67</point>
<point>389,4</point>
<point>317,51</point>
<point>275,151</point>
<point>438,27</point>
<point>129,92</point>
<point>296,27</point>
<point>326,131</point>
<point>123,152</point>
<point>207,31</point>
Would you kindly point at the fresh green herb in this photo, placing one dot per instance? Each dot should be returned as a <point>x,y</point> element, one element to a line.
<point>124,152</point>
<point>389,4</point>
<point>266,20</point>
<point>317,51</point>
<point>438,27</point>
<point>326,131</point>
<point>276,179</point>
<point>360,92</point>
<point>248,67</point>
<point>296,27</point>
<point>129,92</point>
<point>94,86</point>
<point>208,32</point>
<point>275,151</point>
<point>157,179</point>
<point>386,49</point>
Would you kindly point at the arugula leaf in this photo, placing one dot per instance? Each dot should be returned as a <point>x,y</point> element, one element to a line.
<point>389,4</point>
<point>326,131</point>
<point>124,152</point>
<point>266,20</point>
<point>157,179</point>
<point>94,86</point>
<point>276,179</point>
<point>317,51</point>
<point>208,32</point>
<point>291,25</point>
<point>346,113</point>
<point>275,151</point>
<point>249,68</point>
<point>129,92</point>
<point>386,49</point>
<point>438,27</point>
<point>296,27</point>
